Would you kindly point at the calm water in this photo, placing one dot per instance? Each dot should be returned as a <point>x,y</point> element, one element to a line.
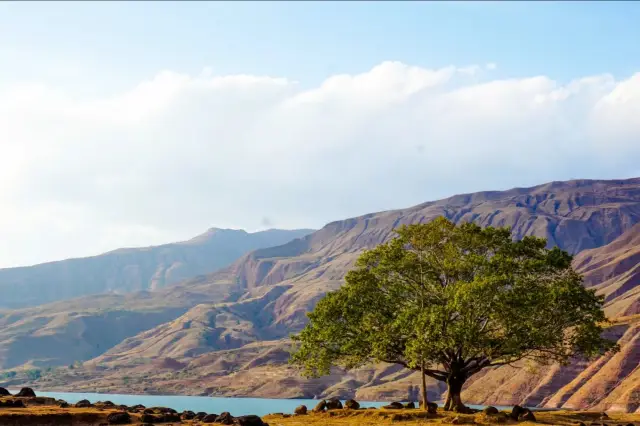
<point>236,406</point>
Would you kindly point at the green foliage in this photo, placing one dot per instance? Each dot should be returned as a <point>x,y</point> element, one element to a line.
<point>452,300</point>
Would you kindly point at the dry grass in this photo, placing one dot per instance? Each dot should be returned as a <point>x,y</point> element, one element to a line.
<point>417,417</point>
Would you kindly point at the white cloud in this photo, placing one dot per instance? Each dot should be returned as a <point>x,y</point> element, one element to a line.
<point>179,153</point>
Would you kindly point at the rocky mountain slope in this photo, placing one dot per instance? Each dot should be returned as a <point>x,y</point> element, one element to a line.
<point>614,271</point>
<point>220,349</point>
<point>133,269</point>
<point>226,337</point>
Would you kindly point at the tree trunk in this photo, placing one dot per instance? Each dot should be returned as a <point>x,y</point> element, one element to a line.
<point>425,401</point>
<point>454,389</point>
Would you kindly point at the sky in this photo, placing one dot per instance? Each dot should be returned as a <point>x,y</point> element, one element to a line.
<point>138,123</point>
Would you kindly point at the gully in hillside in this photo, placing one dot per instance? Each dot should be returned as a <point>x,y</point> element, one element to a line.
<point>449,301</point>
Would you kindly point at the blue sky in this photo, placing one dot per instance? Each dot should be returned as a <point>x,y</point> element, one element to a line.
<point>309,40</point>
<point>138,123</point>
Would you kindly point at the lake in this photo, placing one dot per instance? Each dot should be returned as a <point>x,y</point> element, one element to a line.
<point>236,406</point>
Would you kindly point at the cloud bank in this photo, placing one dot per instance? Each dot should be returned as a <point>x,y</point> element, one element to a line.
<point>179,153</point>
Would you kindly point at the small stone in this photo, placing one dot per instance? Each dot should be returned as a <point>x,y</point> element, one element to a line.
<point>84,403</point>
<point>121,418</point>
<point>225,418</point>
<point>516,411</point>
<point>394,406</point>
<point>490,411</point>
<point>320,406</point>
<point>209,418</point>
<point>527,416</point>
<point>334,404</point>
<point>26,392</point>
<point>351,404</point>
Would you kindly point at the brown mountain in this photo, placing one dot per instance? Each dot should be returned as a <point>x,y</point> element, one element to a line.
<point>133,269</point>
<point>228,343</point>
<point>614,271</point>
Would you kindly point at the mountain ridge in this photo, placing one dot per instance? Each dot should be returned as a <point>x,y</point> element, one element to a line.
<point>128,269</point>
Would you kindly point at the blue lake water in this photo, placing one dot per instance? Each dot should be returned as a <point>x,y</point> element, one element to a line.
<point>236,406</point>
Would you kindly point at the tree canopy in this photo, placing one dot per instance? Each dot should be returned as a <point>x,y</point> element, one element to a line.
<point>451,300</point>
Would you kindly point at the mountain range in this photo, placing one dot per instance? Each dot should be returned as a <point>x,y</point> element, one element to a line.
<point>226,333</point>
<point>133,269</point>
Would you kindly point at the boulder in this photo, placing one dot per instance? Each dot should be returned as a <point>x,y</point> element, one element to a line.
<point>26,392</point>
<point>122,418</point>
<point>225,418</point>
<point>149,418</point>
<point>300,410</point>
<point>410,405</point>
<point>432,407</point>
<point>12,403</point>
<point>334,404</point>
<point>394,406</point>
<point>105,404</point>
<point>490,411</point>
<point>249,420</point>
<point>188,415</point>
<point>527,416</point>
<point>139,407</point>
<point>352,404</point>
<point>84,403</point>
<point>201,415</point>
<point>170,417</point>
<point>516,411</point>
<point>4,392</point>
<point>320,406</point>
<point>209,418</point>
<point>63,404</point>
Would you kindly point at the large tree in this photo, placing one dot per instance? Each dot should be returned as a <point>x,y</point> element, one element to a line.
<point>450,301</point>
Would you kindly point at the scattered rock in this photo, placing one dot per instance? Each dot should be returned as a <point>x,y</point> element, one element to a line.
<point>410,405</point>
<point>394,406</point>
<point>490,411</point>
<point>225,418</point>
<point>139,407</point>
<point>320,406</point>
<point>516,411</point>
<point>201,415</point>
<point>432,407</point>
<point>4,392</point>
<point>12,403</point>
<point>105,404</point>
<point>170,417</point>
<point>63,404</point>
<point>334,404</point>
<point>527,416</point>
<point>352,404</point>
<point>250,420</point>
<point>122,418</point>
<point>84,403</point>
<point>149,418</point>
<point>26,392</point>
<point>209,418</point>
<point>300,410</point>
<point>188,415</point>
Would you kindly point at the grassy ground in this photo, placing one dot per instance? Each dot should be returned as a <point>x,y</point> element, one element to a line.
<point>416,417</point>
<point>51,415</point>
